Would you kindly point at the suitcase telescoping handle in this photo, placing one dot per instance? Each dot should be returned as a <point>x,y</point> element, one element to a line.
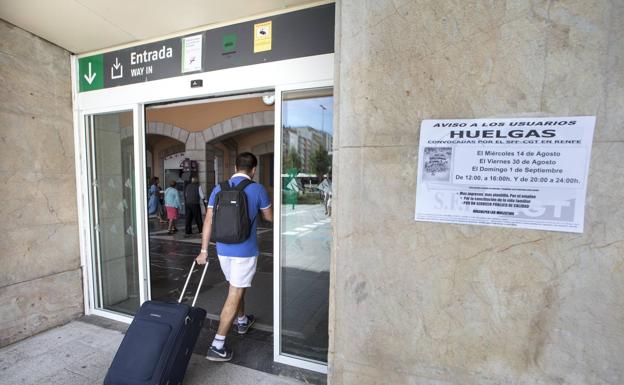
<point>201,281</point>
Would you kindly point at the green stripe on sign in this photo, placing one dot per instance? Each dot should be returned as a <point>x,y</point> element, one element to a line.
<point>91,72</point>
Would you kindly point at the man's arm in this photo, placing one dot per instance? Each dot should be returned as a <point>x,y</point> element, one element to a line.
<point>266,209</point>
<point>267,214</point>
<point>202,198</point>
<point>203,254</point>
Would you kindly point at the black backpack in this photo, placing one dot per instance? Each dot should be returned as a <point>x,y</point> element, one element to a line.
<point>230,219</point>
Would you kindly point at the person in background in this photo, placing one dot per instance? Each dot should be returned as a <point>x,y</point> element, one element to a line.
<point>172,203</point>
<point>326,188</point>
<point>162,212</point>
<point>154,204</point>
<point>193,196</point>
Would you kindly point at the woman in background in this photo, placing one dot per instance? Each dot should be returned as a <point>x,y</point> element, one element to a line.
<point>154,205</point>
<point>172,203</point>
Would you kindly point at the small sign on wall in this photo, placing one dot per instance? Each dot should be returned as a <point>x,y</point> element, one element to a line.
<point>525,172</point>
<point>192,53</point>
<point>263,36</point>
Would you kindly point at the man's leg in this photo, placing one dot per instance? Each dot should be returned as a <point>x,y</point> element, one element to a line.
<point>243,321</point>
<point>198,217</point>
<point>218,351</point>
<point>241,306</point>
<point>188,224</point>
<point>245,273</point>
<point>240,274</point>
<point>230,309</point>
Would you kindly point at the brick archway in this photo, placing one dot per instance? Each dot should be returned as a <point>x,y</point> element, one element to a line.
<point>195,143</point>
<point>227,127</point>
<point>238,123</point>
<point>166,129</point>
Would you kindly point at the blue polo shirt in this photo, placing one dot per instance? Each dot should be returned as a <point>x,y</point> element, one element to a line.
<point>257,199</point>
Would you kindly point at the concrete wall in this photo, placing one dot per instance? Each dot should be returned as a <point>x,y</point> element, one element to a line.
<point>40,276</point>
<point>425,303</point>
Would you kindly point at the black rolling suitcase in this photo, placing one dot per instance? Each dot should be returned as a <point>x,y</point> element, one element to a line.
<point>159,342</point>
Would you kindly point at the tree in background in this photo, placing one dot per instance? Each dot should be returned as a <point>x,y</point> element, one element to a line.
<point>320,162</point>
<point>292,160</point>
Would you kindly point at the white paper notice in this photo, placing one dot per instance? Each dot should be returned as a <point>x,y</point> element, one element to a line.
<point>525,172</point>
<point>192,53</point>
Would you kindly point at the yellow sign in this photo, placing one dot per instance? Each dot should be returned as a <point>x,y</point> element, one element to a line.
<point>262,36</point>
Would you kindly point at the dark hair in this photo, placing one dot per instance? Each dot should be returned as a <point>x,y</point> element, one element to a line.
<point>172,183</point>
<point>245,161</point>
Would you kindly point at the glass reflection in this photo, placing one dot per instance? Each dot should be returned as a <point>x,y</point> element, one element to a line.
<point>114,223</point>
<point>306,222</point>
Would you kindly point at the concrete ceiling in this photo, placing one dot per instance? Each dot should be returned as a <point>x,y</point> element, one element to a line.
<point>82,26</point>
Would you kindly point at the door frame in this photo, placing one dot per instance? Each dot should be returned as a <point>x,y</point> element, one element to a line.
<point>86,201</point>
<point>291,74</point>
<point>278,355</point>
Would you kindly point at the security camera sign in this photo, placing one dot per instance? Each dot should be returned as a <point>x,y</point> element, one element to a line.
<point>263,36</point>
<point>526,172</point>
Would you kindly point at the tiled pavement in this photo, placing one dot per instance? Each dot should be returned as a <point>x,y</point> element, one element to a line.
<point>80,352</point>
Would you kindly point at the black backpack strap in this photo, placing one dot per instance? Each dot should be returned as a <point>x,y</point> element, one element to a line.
<point>225,186</point>
<point>241,186</point>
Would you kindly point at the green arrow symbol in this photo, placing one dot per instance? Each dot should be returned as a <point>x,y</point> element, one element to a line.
<point>91,76</point>
<point>88,70</point>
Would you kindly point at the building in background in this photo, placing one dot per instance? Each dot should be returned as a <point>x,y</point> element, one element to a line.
<point>306,141</point>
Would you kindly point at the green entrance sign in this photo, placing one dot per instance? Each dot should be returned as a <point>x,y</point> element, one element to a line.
<point>229,43</point>
<point>91,72</point>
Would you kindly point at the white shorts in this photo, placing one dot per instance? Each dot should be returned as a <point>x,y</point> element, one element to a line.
<point>238,271</point>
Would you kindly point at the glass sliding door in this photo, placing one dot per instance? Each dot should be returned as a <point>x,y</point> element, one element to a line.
<point>306,134</point>
<point>116,271</point>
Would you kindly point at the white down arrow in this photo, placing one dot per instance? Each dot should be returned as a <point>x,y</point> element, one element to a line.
<point>115,67</point>
<point>91,76</point>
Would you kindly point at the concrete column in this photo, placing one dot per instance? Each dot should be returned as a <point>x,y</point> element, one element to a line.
<point>461,304</point>
<point>195,149</point>
<point>40,277</point>
<point>232,169</point>
<point>220,165</point>
<point>210,168</point>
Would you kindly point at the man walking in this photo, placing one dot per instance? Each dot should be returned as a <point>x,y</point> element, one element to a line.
<point>237,260</point>
<point>193,195</point>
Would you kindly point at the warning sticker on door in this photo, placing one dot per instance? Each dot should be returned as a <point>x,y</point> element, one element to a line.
<point>263,36</point>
